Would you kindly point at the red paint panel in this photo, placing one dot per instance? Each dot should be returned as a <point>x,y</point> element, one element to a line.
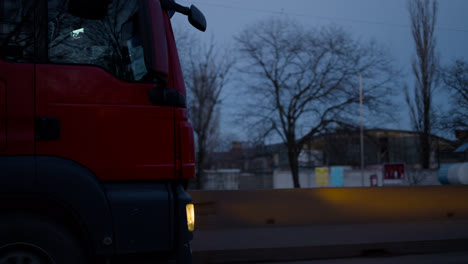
<point>185,147</point>
<point>187,151</point>
<point>107,125</point>
<point>158,36</point>
<point>175,79</point>
<point>18,102</point>
<point>2,115</point>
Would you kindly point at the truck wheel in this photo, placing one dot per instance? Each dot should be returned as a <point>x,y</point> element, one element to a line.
<point>36,240</point>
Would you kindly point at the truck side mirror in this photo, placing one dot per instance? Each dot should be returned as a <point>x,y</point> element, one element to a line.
<point>197,19</point>
<point>195,16</point>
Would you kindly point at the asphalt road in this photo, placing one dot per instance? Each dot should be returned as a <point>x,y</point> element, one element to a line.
<point>441,258</point>
<point>380,243</point>
<point>332,225</point>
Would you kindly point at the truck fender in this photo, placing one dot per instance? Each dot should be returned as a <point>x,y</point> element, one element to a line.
<point>61,181</point>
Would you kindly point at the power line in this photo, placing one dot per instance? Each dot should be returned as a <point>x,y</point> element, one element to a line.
<point>369,22</point>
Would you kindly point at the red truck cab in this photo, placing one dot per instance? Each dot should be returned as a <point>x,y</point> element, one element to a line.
<point>95,145</point>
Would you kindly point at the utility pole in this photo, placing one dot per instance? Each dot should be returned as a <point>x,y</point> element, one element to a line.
<point>362,130</point>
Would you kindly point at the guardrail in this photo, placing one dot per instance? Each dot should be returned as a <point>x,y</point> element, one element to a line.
<point>291,224</point>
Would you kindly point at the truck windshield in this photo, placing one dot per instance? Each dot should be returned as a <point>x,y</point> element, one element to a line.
<point>112,43</point>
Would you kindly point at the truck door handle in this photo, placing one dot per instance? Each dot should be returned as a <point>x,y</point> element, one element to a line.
<point>47,128</point>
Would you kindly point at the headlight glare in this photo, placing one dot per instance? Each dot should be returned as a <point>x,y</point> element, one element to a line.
<point>190,209</point>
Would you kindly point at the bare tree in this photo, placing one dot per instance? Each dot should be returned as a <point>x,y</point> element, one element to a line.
<point>423,16</point>
<point>303,81</point>
<point>455,80</point>
<point>206,73</point>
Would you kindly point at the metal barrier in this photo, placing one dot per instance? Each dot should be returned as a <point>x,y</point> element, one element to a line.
<point>308,223</point>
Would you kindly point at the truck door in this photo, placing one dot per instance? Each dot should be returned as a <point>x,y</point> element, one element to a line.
<point>17,77</point>
<point>2,115</point>
<point>93,94</point>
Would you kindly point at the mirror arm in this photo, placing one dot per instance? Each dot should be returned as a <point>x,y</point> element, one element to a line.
<point>173,6</point>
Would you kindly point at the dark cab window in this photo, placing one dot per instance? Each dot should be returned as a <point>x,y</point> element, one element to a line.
<point>17,30</point>
<point>112,43</point>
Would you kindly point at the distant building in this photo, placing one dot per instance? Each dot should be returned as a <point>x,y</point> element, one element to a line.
<point>247,158</point>
<point>340,148</point>
<point>257,164</point>
<point>380,146</point>
<point>461,153</point>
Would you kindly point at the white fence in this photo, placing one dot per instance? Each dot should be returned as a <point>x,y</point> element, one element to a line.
<point>282,179</point>
<point>226,179</point>
<point>233,179</point>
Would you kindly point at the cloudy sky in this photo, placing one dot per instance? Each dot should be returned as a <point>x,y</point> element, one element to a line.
<point>385,21</point>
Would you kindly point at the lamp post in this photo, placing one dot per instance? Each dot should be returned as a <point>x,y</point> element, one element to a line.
<point>362,130</point>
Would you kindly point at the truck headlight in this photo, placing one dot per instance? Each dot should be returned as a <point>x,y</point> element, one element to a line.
<point>190,216</point>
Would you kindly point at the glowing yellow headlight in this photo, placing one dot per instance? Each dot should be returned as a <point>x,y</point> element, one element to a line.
<point>190,217</point>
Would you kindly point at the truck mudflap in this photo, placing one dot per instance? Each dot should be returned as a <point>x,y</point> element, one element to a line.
<point>142,216</point>
<point>150,217</point>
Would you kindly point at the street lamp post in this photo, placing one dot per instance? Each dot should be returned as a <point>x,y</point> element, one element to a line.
<point>362,130</point>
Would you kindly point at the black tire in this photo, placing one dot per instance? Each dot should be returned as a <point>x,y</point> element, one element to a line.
<point>37,240</point>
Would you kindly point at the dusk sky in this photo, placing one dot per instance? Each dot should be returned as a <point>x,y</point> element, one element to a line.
<point>385,21</point>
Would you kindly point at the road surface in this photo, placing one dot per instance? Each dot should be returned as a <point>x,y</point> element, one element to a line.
<point>441,258</point>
